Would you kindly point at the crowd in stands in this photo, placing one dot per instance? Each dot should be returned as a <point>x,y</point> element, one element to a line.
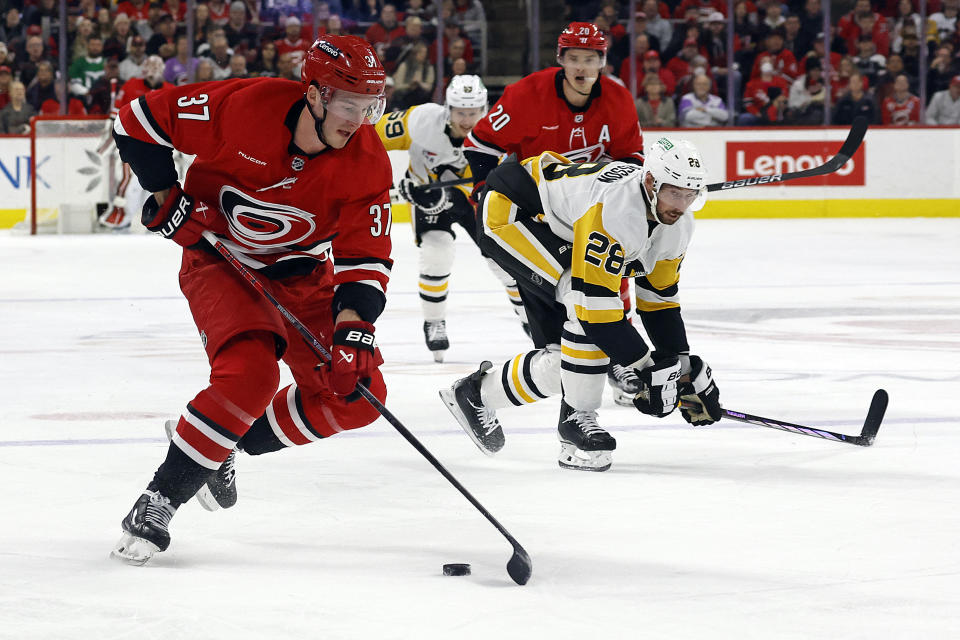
<point>780,58</point>
<point>680,62</point>
<point>109,40</point>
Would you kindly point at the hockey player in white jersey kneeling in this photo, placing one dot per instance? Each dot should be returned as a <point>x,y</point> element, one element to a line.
<point>569,233</point>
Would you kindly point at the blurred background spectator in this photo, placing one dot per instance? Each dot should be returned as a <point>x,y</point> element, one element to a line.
<point>414,78</point>
<point>15,117</point>
<point>654,108</point>
<point>700,108</point>
<point>945,106</point>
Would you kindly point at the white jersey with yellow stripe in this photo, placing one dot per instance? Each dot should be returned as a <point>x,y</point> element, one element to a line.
<point>422,130</point>
<point>602,209</point>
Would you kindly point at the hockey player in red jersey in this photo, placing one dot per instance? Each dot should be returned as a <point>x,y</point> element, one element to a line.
<point>268,181</point>
<point>574,110</point>
<point>129,196</point>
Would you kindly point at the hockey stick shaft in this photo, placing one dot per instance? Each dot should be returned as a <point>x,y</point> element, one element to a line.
<point>857,131</point>
<point>520,566</point>
<point>871,425</point>
<point>430,186</point>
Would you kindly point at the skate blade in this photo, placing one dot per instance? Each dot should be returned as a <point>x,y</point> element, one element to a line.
<point>205,497</point>
<point>449,399</point>
<point>577,460</point>
<point>622,399</point>
<point>438,355</point>
<point>133,550</point>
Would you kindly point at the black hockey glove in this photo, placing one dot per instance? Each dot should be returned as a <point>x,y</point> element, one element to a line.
<point>658,388</point>
<point>430,202</point>
<point>700,397</point>
<point>173,219</point>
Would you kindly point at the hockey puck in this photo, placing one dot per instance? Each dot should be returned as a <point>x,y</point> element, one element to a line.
<point>456,569</point>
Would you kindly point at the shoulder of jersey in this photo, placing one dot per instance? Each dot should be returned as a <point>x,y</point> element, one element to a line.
<point>611,87</point>
<point>537,81</point>
<point>426,122</point>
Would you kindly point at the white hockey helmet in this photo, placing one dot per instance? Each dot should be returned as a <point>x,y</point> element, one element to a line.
<point>676,162</point>
<point>466,92</point>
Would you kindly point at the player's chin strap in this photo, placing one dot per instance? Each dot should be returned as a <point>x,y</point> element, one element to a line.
<point>573,88</point>
<point>318,122</point>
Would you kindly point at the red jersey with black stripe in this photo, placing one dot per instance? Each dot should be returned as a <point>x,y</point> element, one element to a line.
<point>532,116</point>
<point>280,210</point>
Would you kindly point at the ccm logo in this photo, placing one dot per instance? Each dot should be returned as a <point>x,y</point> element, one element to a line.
<point>359,336</point>
<point>751,161</point>
<point>178,218</point>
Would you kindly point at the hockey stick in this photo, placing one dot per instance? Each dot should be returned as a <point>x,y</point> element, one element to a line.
<point>430,186</point>
<point>878,406</point>
<point>520,567</point>
<point>857,131</point>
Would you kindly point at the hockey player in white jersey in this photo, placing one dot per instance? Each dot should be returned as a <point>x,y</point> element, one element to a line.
<point>569,233</point>
<point>434,134</point>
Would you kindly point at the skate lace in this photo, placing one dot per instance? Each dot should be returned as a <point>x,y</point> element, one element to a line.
<point>228,470</point>
<point>625,376</point>
<point>159,510</point>
<point>586,421</point>
<point>437,330</point>
<point>487,417</point>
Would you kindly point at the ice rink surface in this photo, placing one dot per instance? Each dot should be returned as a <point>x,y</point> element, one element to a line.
<point>728,531</point>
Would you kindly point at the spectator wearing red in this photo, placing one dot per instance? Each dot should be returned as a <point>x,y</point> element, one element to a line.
<point>840,82</point>
<point>293,43</point>
<point>641,46</point>
<point>386,29</point>
<point>219,11</point>
<point>679,65</point>
<point>176,9</point>
<point>703,7</point>
<point>651,65</point>
<point>451,32</point>
<point>757,97</point>
<point>902,108</point>
<point>817,53</point>
<point>867,25</point>
<point>847,24</point>
<point>135,9</point>
<point>784,64</point>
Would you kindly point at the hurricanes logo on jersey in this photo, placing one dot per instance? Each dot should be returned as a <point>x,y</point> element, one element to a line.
<point>264,225</point>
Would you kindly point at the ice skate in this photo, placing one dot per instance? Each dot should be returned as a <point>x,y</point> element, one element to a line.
<point>435,334</point>
<point>464,402</point>
<point>220,489</point>
<point>624,384</point>
<point>115,220</point>
<point>145,529</point>
<point>584,446</point>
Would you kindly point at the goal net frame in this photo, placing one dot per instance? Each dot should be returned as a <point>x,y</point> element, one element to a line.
<point>61,194</point>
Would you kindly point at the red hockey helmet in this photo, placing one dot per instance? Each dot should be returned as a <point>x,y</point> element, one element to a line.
<point>582,35</point>
<point>348,65</point>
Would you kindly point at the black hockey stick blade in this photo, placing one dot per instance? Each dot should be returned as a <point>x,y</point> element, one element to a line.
<point>871,425</point>
<point>878,407</point>
<point>520,567</point>
<point>857,131</point>
<point>430,186</point>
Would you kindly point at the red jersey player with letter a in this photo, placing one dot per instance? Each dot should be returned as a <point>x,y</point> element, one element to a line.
<point>268,180</point>
<point>573,110</point>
